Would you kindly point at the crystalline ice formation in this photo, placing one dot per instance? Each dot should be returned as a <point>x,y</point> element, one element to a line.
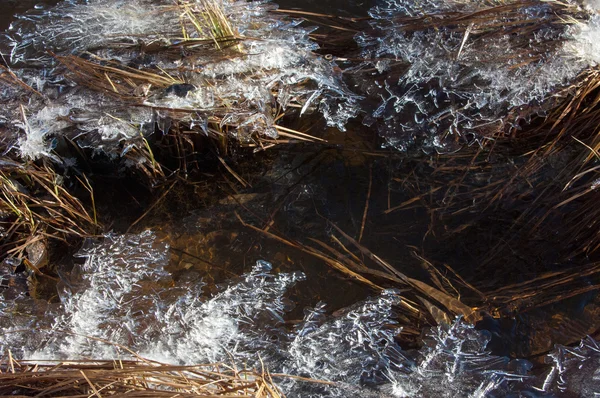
<point>460,83</point>
<point>575,370</point>
<point>37,127</point>
<point>586,41</point>
<point>121,295</point>
<point>74,26</point>
<point>106,300</point>
<point>454,362</point>
<point>271,68</point>
<point>350,348</point>
<point>243,320</point>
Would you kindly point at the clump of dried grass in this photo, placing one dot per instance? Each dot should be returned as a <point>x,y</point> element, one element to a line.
<point>34,206</point>
<point>131,378</point>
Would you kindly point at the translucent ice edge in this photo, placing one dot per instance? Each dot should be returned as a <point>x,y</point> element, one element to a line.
<point>122,294</point>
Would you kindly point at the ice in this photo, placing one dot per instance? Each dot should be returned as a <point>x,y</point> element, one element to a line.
<point>593,5</point>
<point>92,120</point>
<point>121,295</point>
<point>454,362</point>
<point>280,61</point>
<point>74,26</point>
<point>104,299</point>
<point>273,67</point>
<point>37,129</point>
<point>458,84</point>
<point>586,41</point>
<point>240,322</point>
<point>575,370</point>
<point>351,348</point>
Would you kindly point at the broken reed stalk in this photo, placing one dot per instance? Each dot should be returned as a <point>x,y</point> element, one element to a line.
<point>133,378</point>
<point>415,292</point>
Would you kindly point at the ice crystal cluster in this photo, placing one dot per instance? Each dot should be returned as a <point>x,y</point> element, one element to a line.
<point>122,296</point>
<point>458,85</point>
<point>270,67</point>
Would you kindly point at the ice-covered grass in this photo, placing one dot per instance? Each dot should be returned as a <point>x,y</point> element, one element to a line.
<point>38,127</point>
<point>220,67</point>
<point>473,70</point>
<point>92,120</point>
<point>121,296</point>
<point>74,26</point>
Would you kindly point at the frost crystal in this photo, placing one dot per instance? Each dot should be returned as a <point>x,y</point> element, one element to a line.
<point>38,128</point>
<point>271,69</point>
<point>575,370</point>
<point>122,296</point>
<point>463,83</point>
<point>454,362</point>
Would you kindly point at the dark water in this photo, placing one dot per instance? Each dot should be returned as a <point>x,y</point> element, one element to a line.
<point>9,8</point>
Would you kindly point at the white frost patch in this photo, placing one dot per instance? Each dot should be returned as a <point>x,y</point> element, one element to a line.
<point>49,120</point>
<point>80,114</point>
<point>122,294</point>
<point>592,5</point>
<point>459,83</point>
<point>586,41</point>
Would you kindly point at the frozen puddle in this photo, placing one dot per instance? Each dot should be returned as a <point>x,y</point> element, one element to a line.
<point>121,295</point>
<point>457,71</point>
<point>106,72</point>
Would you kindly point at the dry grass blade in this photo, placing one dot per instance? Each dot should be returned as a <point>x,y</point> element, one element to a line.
<point>454,305</point>
<point>33,201</point>
<point>353,269</point>
<point>9,77</point>
<point>546,289</point>
<point>133,378</point>
<point>307,249</point>
<point>118,80</point>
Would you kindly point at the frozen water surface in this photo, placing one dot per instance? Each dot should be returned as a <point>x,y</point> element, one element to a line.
<point>121,295</point>
<point>270,69</point>
<point>459,84</point>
